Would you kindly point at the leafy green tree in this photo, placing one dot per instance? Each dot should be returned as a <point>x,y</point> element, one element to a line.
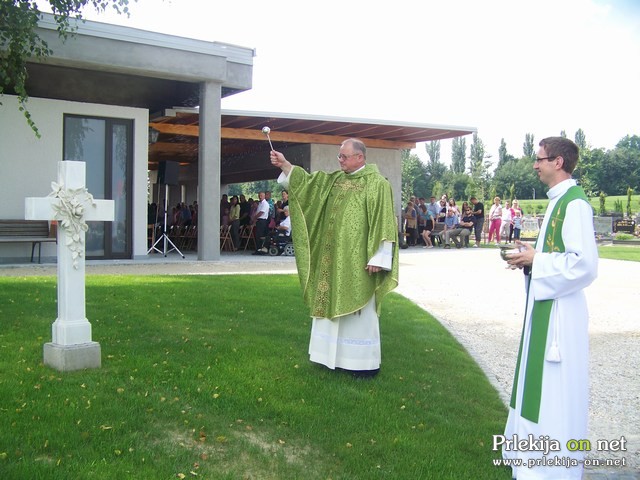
<point>480,169</point>
<point>433,150</point>
<point>563,134</point>
<point>20,43</point>
<point>456,185</point>
<point>438,189</point>
<point>603,203</point>
<point>414,176</point>
<point>435,171</point>
<point>528,147</point>
<point>477,154</point>
<point>581,139</point>
<point>459,155</point>
<point>585,171</point>
<point>616,170</point>
<point>519,179</point>
<point>503,155</point>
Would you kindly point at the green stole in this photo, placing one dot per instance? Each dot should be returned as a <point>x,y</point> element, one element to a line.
<point>540,315</point>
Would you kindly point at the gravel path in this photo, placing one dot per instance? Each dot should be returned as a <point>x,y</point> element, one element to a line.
<point>459,288</point>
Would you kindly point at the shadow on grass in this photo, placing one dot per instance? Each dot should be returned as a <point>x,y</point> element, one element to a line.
<point>209,376</point>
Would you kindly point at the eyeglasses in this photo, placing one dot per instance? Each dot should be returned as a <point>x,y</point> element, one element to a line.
<point>342,156</point>
<point>539,159</point>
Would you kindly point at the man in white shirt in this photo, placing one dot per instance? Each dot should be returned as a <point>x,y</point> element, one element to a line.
<point>262,224</point>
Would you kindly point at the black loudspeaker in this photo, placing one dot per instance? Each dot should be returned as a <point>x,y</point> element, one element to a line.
<point>168,173</point>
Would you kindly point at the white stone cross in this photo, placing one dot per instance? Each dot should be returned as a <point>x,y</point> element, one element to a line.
<point>71,205</point>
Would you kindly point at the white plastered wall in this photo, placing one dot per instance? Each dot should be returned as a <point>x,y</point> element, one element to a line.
<point>29,164</point>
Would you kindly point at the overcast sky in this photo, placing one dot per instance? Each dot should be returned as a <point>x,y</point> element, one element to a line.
<point>506,67</point>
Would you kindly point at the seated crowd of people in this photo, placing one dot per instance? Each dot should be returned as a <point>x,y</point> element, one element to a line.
<point>446,224</point>
<point>268,219</point>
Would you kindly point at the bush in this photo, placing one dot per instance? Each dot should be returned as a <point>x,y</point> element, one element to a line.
<point>624,236</point>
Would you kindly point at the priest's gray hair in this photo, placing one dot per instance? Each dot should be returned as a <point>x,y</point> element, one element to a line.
<point>357,146</point>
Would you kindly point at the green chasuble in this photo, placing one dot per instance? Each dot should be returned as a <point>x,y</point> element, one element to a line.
<point>338,222</point>
<point>540,316</point>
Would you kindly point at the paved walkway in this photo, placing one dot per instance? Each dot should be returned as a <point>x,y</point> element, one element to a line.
<point>481,303</point>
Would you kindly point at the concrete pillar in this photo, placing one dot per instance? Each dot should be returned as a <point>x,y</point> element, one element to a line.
<point>209,172</point>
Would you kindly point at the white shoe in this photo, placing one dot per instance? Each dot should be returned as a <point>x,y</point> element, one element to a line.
<point>475,245</point>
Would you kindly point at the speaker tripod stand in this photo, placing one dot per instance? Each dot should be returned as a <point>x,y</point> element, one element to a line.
<point>164,238</point>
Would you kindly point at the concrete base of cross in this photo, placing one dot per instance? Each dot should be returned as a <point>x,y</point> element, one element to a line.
<point>67,358</point>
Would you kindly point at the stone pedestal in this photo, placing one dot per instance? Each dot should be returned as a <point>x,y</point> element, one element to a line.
<point>67,358</point>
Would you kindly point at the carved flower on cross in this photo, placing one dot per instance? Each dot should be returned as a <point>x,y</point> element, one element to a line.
<point>69,212</point>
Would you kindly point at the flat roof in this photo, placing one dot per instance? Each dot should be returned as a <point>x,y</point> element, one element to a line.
<point>179,131</point>
<point>234,53</point>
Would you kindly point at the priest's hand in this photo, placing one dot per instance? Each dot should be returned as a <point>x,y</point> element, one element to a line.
<point>372,269</point>
<point>278,160</point>
<point>524,258</point>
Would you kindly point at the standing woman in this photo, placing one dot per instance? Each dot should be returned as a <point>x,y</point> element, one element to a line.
<point>234,220</point>
<point>495,218</point>
<point>425,216</point>
<point>411,229</point>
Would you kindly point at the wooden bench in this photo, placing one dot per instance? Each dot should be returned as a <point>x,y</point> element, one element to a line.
<point>27,231</point>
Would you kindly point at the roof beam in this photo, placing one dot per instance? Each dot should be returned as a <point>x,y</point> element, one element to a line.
<point>249,134</point>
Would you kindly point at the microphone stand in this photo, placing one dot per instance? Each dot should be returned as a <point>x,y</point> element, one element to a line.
<point>164,238</point>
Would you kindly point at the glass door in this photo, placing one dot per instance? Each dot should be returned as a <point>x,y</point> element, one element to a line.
<point>106,146</point>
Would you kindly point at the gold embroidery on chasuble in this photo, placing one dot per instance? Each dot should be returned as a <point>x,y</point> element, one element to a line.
<point>342,221</point>
<point>342,195</point>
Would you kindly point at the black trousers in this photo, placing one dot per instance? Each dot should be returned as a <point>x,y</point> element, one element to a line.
<point>262,232</point>
<point>477,228</point>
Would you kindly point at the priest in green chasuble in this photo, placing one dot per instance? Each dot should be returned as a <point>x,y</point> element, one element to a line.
<point>550,396</point>
<point>345,236</point>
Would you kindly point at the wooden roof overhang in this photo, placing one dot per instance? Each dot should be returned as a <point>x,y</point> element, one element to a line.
<point>241,133</point>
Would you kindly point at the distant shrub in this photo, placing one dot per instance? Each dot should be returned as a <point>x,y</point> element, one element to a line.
<point>624,236</point>
<point>617,206</point>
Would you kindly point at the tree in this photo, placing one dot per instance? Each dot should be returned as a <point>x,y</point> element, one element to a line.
<point>518,178</point>
<point>414,176</point>
<point>434,170</point>
<point>476,153</point>
<point>502,153</point>
<point>20,43</point>
<point>603,204</point>
<point>433,150</point>
<point>528,147</point>
<point>456,184</point>
<point>480,174</point>
<point>581,139</point>
<point>458,155</point>
<point>612,172</point>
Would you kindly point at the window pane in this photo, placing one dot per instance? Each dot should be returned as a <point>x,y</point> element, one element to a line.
<point>84,140</point>
<point>120,150</point>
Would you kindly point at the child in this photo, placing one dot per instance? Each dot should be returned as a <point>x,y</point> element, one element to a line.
<point>517,225</point>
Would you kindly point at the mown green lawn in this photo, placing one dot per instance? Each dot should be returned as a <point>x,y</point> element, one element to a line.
<point>209,377</point>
